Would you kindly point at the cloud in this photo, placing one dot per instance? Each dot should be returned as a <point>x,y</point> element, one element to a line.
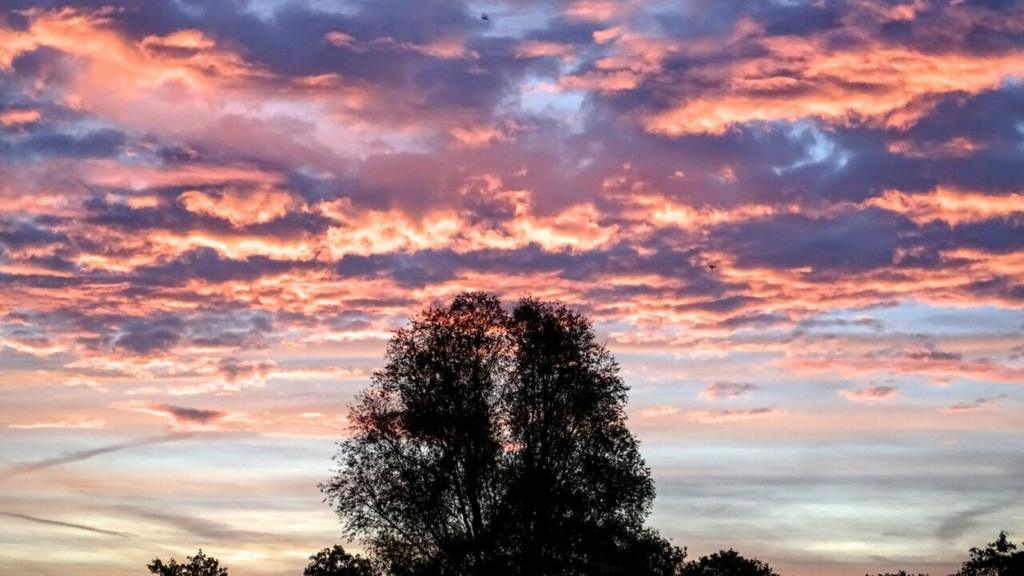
<point>239,207</point>
<point>72,525</point>
<point>973,406</point>
<point>103,143</point>
<point>234,370</point>
<point>726,390</point>
<point>726,416</point>
<point>658,411</point>
<point>755,75</point>
<point>228,201</point>
<point>17,117</point>
<point>180,416</point>
<point>75,423</point>
<point>80,455</point>
<point>143,336</point>
<point>853,241</point>
<point>871,394</point>
<point>952,207</point>
<point>28,235</point>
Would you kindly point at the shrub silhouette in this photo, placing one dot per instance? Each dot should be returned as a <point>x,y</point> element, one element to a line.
<point>198,565</point>
<point>494,443</point>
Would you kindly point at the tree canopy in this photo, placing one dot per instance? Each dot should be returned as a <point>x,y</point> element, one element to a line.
<point>335,561</point>
<point>726,563</point>
<point>1000,558</point>
<point>494,442</point>
<point>198,565</point>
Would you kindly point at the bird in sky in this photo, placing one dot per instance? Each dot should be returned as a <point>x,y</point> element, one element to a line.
<point>485,17</point>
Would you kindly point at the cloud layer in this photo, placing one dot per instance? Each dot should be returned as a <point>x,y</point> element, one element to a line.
<point>789,220</point>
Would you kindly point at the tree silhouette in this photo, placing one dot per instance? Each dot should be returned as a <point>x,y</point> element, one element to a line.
<point>495,443</point>
<point>198,565</point>
<point>1000,558</point>
<point>334,561</point>
<point>726,563</point>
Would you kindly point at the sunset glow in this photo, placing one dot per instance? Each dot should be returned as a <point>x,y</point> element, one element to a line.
<point>798,226</point>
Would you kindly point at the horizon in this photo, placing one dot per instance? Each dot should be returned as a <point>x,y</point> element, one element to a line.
<point>797,226</point>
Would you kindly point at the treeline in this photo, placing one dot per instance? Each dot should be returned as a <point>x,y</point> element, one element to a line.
<point>999,558</point>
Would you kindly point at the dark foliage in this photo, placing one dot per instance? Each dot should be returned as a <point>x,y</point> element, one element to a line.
<point>495,443</point>
<point>335,561</point>
<point>198,565</point>
<point>1000,558</point>
<point>726,563</point>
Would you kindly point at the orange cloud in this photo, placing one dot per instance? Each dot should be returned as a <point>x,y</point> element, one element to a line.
<point>958,147</point>
<point>541,49</point>
<point>477,136</point>
<point>951,206</point>
<point>802,78</point>
<point>597,10</point>
<point>16,117</point>
<point>238,206</point>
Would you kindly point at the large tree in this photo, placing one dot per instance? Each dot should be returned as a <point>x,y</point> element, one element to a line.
<point>494,442</point>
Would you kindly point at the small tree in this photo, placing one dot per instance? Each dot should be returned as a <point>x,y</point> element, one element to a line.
<point>1000,558</point>
<point>726,563</point>
<point>334,561</point>
<point>198,565</point>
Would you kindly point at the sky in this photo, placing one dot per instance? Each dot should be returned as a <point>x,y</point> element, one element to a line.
<point>798,226</point>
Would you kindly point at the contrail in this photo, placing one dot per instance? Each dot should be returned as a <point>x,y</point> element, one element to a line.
<point>68,525</point>
<point>26,467</point>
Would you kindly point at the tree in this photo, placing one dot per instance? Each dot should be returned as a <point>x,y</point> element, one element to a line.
<point>726,563</point>
<point>198,565</point>
<point>576,482</point>
<point>334,561</point>
<point>1000,558</point>
<point>495,443</point>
